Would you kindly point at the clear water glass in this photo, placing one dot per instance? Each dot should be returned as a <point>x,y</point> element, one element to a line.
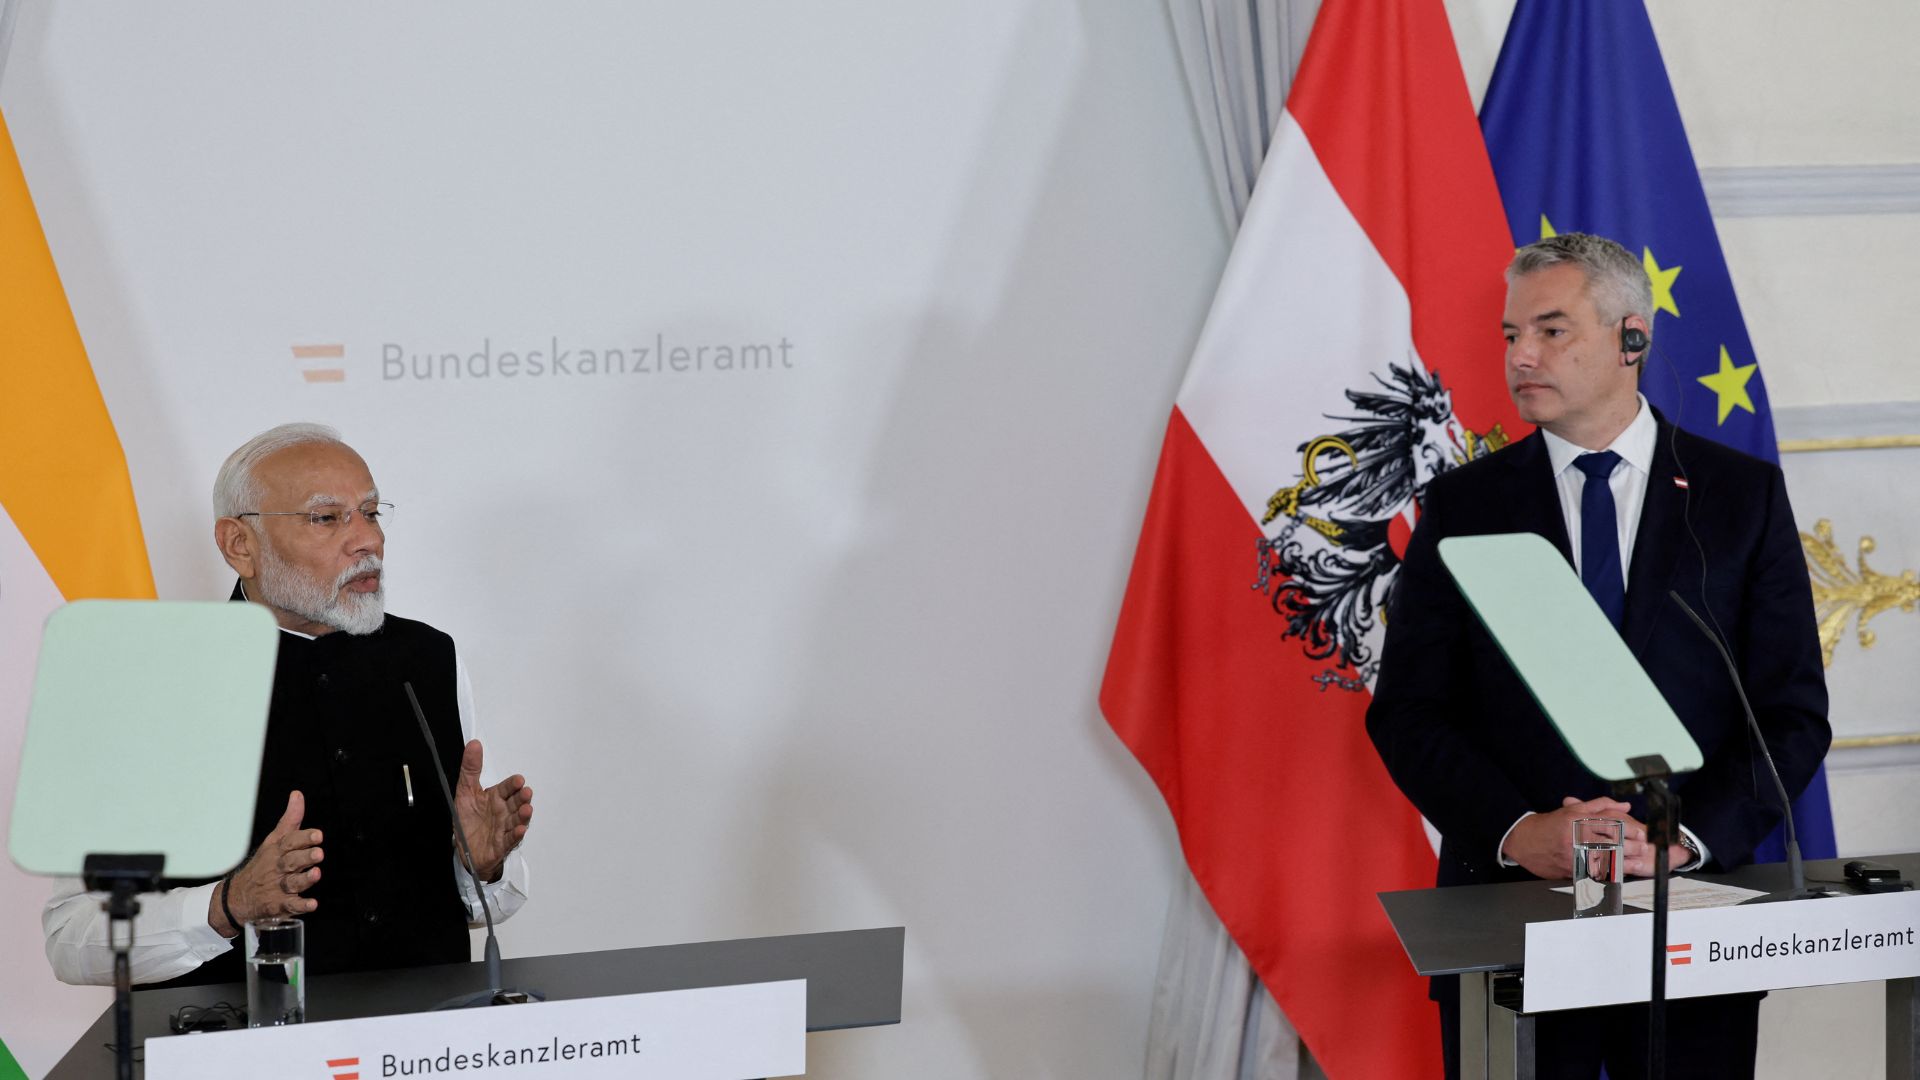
<point>276,975</point>
<point>1599,864</point>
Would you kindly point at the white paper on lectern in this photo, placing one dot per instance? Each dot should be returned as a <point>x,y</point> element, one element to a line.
<point>1683,894</point>
<point>711,1033</point>
<point>1582,963</point>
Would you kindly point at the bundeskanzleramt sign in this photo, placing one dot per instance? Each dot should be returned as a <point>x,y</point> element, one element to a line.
<point>1578,963</point>
<point>713,1033</point>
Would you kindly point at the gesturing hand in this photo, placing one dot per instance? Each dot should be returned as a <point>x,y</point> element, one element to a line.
<point>495,819</point>
<point>269,884</point>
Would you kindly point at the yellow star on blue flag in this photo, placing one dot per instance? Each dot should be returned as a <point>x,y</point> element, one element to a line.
<point>1730,385</point>
<point>1662,281</point>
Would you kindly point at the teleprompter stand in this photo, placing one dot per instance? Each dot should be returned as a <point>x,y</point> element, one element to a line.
<point>1594,692</point>
<point>144,693</point>
<point>1663,830</point>
<point>122,878</point>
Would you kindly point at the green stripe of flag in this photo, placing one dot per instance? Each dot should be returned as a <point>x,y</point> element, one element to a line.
<point>9,1068</point>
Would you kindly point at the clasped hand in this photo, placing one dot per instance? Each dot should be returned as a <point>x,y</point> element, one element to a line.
<point>1543,843</point>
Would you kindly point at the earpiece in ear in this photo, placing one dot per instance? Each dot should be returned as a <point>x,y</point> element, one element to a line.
<point>1633,340</point>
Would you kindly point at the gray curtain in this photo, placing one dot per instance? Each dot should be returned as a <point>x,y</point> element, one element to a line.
<point>9,11</point>
<point>1240,57</point>
<point>1212,1019</point>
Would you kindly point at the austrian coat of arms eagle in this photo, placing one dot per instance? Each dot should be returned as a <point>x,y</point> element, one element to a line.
<point>1329,565</point>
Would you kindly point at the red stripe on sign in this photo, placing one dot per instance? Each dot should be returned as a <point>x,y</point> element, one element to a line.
<point>1680,948</point>
<point>1678,960</point>
<point>337,1063</point>
<point>1223,713</point>
<point>1383,101</point>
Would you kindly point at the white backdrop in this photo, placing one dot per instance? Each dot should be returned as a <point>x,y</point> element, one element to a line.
<point>784,650</point>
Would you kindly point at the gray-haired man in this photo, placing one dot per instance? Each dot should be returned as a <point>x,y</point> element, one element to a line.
<point>352,835</point>
<point>1625,497</point>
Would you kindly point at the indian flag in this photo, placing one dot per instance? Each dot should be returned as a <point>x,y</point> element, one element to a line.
<point>68,530</point>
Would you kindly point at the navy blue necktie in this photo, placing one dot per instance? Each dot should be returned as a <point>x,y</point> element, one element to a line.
<point>1600,536</point>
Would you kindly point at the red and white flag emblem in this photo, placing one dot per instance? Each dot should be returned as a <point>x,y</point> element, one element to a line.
<point>1352,353</point>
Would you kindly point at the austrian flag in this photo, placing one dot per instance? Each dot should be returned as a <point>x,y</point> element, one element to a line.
<point>1352,353</point>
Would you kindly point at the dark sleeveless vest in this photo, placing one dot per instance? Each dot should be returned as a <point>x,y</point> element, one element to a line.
<point>339,731</point>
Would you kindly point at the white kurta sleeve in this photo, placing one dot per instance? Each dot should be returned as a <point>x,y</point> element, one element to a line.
<point>170,935</point>
<point>509,894</point>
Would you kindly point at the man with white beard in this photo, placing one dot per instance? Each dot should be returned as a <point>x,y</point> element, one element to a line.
<point>351,833</point>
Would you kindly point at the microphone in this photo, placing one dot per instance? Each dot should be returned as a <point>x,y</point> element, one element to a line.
<point>496,994</point>
<point>1796,873</point>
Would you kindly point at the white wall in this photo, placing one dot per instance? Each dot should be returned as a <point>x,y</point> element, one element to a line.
<point>806,649</point>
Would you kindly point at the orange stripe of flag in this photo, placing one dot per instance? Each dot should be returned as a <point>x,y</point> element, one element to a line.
<point>319,352</point>
<point>65,482</point>
<point>332,374</point>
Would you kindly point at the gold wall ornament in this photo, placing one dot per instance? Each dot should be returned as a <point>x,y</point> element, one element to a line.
<point>1840,593</point>
<point>1850,442</point>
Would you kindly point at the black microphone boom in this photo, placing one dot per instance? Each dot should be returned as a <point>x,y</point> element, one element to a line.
<point>1796,874</point>
<point>495,994</point>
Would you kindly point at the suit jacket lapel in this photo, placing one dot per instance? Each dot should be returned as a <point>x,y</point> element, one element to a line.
<point>1537,510</point>
<point>1657,544</point>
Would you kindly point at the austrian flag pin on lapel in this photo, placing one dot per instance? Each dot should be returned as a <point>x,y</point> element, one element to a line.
<point>1680,482</point>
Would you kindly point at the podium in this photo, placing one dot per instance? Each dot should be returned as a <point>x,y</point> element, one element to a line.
<point>853,980</point>
<point>1478,932</point>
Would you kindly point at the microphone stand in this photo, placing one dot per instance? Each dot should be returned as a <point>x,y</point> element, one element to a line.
<point>1663,815</point>
<point>496,994</point>
<point>1796,873</point>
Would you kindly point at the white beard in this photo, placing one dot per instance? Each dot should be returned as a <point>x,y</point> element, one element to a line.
<point>288,589</point>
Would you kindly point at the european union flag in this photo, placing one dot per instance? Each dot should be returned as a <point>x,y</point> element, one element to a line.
<point>1585,136</point>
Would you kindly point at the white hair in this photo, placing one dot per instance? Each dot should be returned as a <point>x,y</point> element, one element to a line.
<point>234,489</point>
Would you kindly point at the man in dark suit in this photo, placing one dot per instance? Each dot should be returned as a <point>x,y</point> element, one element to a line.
<point>1623,494</point>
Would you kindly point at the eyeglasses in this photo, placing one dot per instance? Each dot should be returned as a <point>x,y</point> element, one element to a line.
<point>332,517</point>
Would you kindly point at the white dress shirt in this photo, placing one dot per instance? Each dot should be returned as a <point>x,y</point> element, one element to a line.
<point>171,934</point>
<point>1635,446</point>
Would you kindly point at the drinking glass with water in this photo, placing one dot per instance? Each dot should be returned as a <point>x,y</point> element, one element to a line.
<point>276,979</point>
<point>1599,864</point>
